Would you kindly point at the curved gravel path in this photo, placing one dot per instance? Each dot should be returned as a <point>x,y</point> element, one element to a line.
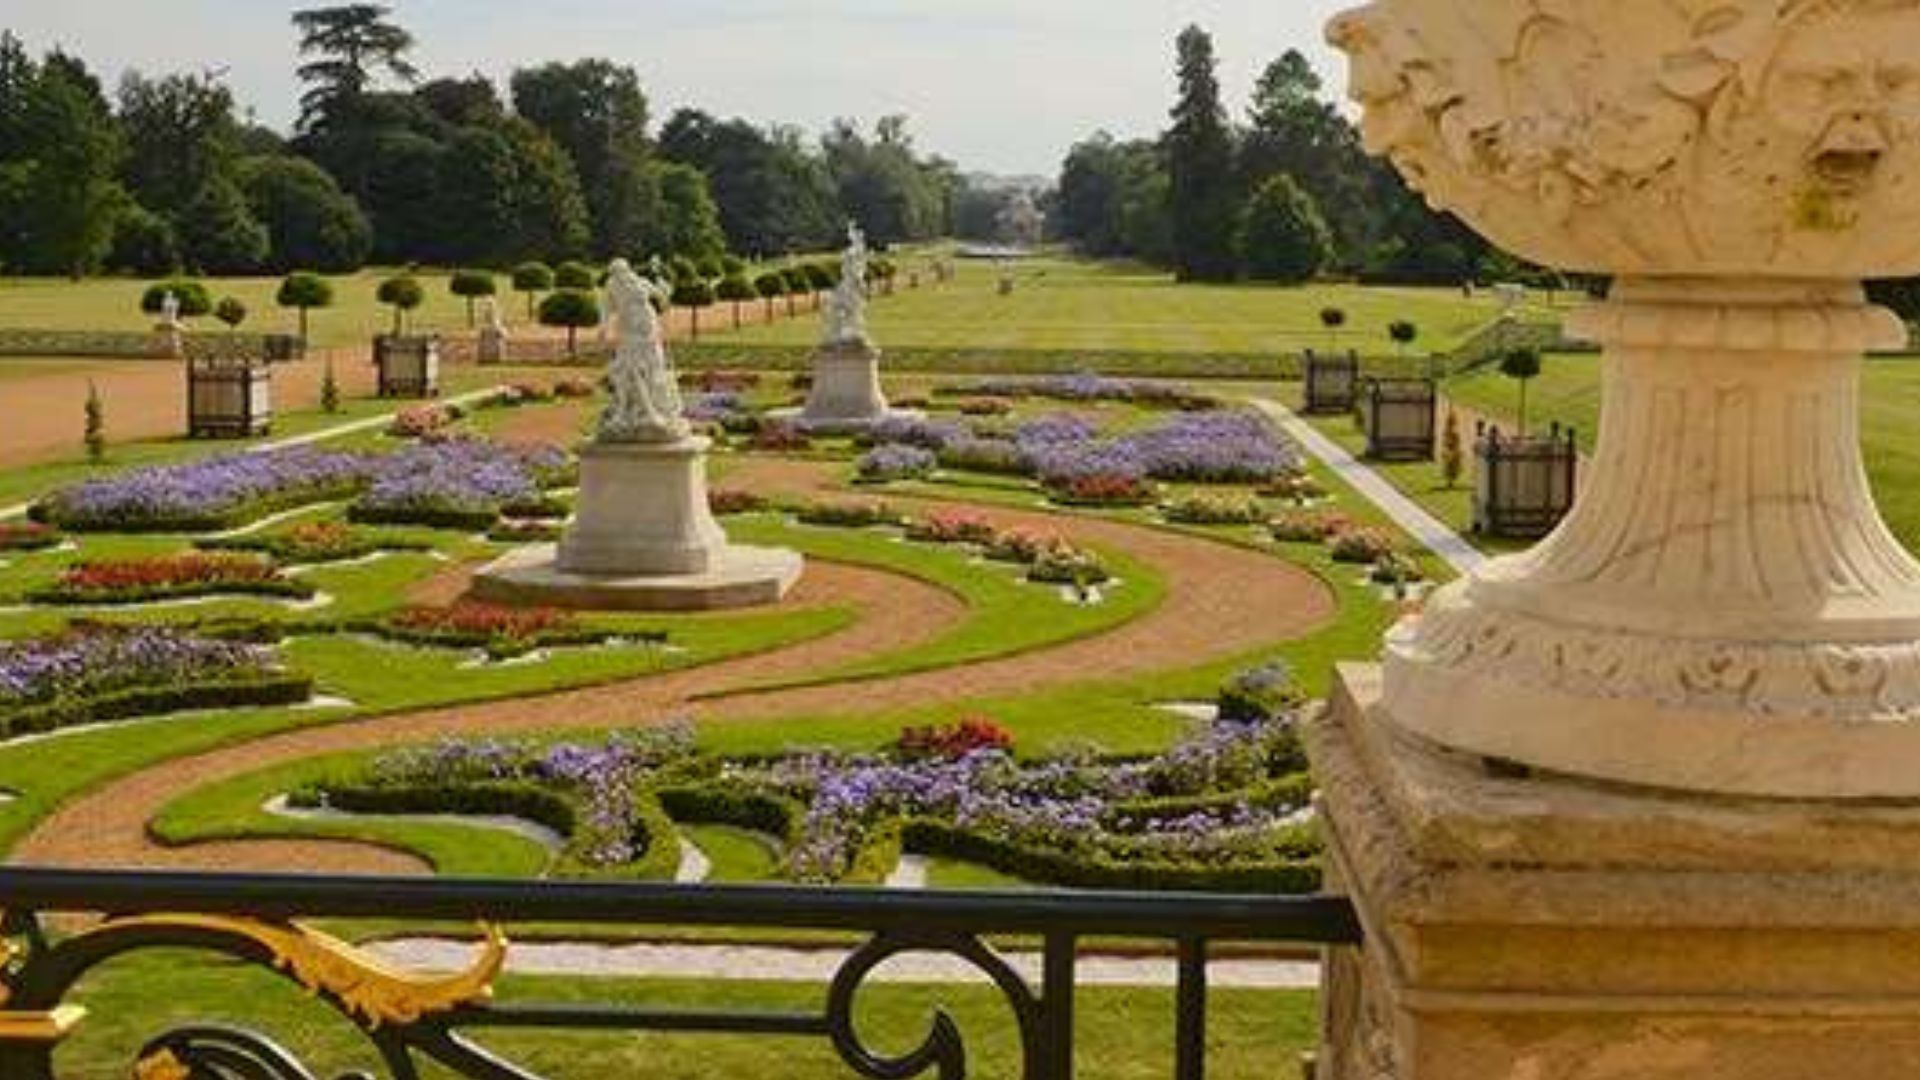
<point>1221,601</point>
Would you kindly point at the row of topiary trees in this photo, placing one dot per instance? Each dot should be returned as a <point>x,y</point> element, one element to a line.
<point>570,300</point>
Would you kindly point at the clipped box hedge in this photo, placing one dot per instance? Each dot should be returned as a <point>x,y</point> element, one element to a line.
<point>143,701</point>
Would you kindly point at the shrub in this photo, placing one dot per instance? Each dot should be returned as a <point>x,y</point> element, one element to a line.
<point>94,431</point>
<point>193,298</point>
<point>847,515</point>
<point>1023,546</point>
<point>471,285</point>
<point>729,502</point>
<point>403,294</point>
<point>1296,487</point>
<point>1396,569</point>
<point>573,309</point>
<point>304,292</point>
<point>420,421</point>
<point>144,243</point>
<point>1260,694</point>
<point>1211,510</point>
<point>951,742</point>
<point>1361,545</point>
<point>574,275</point>
<point>952,527</point>
<point>820,276</point>
<point>329,389</point>
<point>693,294</point>
<point>230,311</point>
<point>1308,528</point>
<point>1063,564</point>
<point>985,407</point>
<point>895,461</point>
<point>532,278</point>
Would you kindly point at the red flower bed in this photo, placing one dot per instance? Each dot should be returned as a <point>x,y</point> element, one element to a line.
<point>953,527</point>
<point>484,620</point>
<point>172,577</point>
<point>952,742</point>
<point>28,536</point>
<point>1105,490</point>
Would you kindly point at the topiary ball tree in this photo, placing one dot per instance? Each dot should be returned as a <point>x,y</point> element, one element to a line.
<point>732,265</point>
<point>577,276</point>
<point>403,294</point>
<point>1403,333</point>
<point>193,298</point>
<point>693,295</point>
<point>820,278</point>
<point>1522,365</point>
<point>574,309</point>
<point>799,283</point>
<point>1333,319</point>
<point>230,311</point>
<point>532,278</point>
<point>710,267</point>
<point>471,285</point>
<point>770,285</point>
<point>736,290</point>
<point>304,291</point>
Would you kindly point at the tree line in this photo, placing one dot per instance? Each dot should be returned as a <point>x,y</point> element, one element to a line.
<point>1285,194</point>
<point>390,166</point>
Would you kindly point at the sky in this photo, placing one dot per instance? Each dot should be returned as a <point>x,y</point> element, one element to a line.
<point>1003,86</point>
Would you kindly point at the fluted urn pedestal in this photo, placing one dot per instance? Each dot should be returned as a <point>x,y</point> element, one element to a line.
<point>1644,803</point>
<point>644,539</point>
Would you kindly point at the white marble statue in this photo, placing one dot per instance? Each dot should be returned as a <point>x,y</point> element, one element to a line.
<point>169,310</point>
<point>847,309</point>
<point>490,316</point>
<point>646,405</point>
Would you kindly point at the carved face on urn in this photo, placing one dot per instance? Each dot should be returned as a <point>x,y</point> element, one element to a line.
<point>1776,138</point>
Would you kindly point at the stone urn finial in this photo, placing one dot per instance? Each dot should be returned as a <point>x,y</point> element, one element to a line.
<point>1724,611</point>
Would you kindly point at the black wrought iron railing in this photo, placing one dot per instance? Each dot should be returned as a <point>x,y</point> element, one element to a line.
<point>411,1019</point>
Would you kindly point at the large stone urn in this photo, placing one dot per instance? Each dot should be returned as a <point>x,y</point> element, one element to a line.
<point>1645,801</point>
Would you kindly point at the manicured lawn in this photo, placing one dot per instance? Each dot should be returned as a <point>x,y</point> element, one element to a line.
<point>1062,305</point>
<point>1123,1033</point>
<point>1568,391</point>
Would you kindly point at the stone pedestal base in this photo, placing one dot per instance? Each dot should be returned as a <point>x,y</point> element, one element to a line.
<point>644,539</point>
<point>846,387</point>
<point>643,512</point>
<point>492,347</point>
<point>738,577</point>
<point>1540,928</point>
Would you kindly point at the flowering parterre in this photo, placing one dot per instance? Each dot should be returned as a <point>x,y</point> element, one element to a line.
<point>420,421</point>
<point>29,536</point>
<point>504,632</point>
<point>1208,510</point>
<point>1220,808</point>
<point>316,542</point>
<point>1087,387</point>
<point>214,493</point>
<point>91,672</point>
<point>847,515</point>
<point>462,483</point>
<point>895,461</point>
<point>952,527</point>
<point>171,577</point>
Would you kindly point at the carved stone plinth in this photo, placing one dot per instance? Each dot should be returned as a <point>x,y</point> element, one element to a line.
<point>644,540</point>
<point>846,387</point>
<point>1548,929</point>
<point>643,511</point>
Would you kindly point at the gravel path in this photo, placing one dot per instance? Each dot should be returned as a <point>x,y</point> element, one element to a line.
<point>733,963</point>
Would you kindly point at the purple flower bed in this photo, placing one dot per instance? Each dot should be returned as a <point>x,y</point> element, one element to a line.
<point>716,407</point>
<point>913,431</point>
<point>215,493</point>
<point>1087,386</point>
<point>460,483</point>
<point>895,461</point>
<point>1214,447</point>
<point>470,475</point>
<point>107,673</point>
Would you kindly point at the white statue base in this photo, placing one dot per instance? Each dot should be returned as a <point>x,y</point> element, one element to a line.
<point>846,388</point>
<point>644,540</point>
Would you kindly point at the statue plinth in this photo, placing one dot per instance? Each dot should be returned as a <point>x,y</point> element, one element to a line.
<point>1644,803</point>
<point>644,540</point>
<point>846,386</point>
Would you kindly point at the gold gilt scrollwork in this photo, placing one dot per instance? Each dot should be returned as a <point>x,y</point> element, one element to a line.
<point>161,1066</point>
<point>367,988</point>
<point>9,952</point>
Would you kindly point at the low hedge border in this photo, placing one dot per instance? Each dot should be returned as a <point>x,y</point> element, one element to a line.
<point>724,804</point>
<point>1050,867</point>
<point>146,701</point>
<point>502,648</point>
<point>1288,792</point>
<point>430,517</point>
<point>154,594</point>
<point>286,550</point>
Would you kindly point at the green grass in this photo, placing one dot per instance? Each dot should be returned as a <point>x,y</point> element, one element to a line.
<point>1568,391</point>
<point>1006,616</point>
<point>954,874</point>
<point>1062,306</point>
<point>1123,1033</point>
<point>738,855</point>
